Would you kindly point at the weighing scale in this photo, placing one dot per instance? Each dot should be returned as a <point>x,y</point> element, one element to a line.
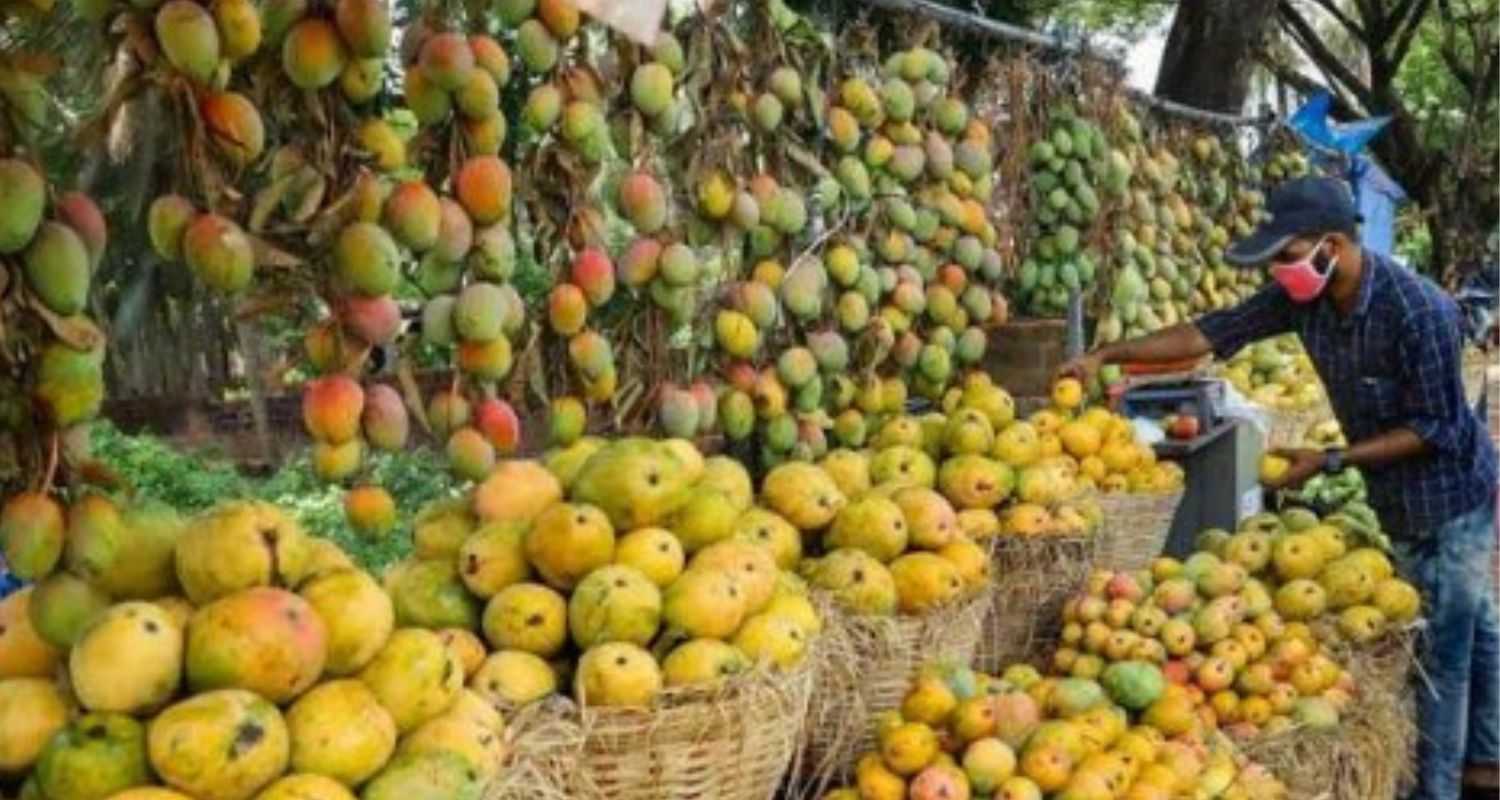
<point>1221,464</point>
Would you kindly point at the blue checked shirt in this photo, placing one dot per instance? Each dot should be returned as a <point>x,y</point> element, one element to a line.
<point>1393,363</point>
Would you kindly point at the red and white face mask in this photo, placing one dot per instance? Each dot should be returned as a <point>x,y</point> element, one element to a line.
<point>1304,280</point>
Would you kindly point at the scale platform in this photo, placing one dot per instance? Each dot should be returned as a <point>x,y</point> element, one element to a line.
<point>1221,464</point>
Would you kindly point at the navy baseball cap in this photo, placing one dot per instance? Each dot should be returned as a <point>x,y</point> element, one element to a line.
<point>1297,207</point>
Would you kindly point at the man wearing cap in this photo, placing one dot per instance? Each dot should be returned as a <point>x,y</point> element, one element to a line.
<point>1386,342</point>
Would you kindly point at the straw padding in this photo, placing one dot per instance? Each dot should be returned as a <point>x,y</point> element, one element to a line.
<point>870,666</point>
<point>543,741</point>
<point>1134,528</point>
<point>1370,755</point>
<point>1031,578</point>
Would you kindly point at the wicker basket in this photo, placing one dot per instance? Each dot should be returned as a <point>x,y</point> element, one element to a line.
<point>736,742</point>
<point>870,665</point>
<point>1032,579</point>
<point>1133,528</point>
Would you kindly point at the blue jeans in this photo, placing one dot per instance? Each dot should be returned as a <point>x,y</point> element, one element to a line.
<point>1459,714</point>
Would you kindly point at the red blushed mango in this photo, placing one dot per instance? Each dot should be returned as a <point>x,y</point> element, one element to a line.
<point>373,320</point>
<point>497,420</point>
<point>447,59</point>
<point>708,404</point>
<point>370,510</point>
<point>455,232</point>
<point>560,17</point>
<point>593,273</point>
<point>639,264</point>
<point>470,455</point>
<point>414,215</point>
<point>763,187</point>
<point>313,54</point>
<point>491,57</point>
<point>567,309</point>
<point>385,421</point>
<point>365,26</point>
<point>234,124</point>
<point>331,408</point>
<point>591,355</point>
<point>484,136</point>
<point>741,375</point>
<point>447,411</point>
<point>487,361</point>
<point>79,212</point>
<point>483,186</point>
<point>269,641</point>
<point>643,202</point>
<point>219,253</point>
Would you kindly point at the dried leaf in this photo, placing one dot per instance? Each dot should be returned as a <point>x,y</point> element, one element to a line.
<point>312,187</point>
<point>266,202</point>
<point>78,332</point>
<point>412,395</point>
<point>269,255</point>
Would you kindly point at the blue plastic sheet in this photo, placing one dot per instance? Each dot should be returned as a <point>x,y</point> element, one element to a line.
<point>1376,194</point>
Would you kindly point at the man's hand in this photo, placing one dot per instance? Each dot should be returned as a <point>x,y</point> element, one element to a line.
<point>1302,463</point>
<point>1083,368</point>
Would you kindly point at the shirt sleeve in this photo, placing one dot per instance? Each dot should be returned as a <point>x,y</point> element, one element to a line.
<point>1432,398</point>
<point>1267,313</point>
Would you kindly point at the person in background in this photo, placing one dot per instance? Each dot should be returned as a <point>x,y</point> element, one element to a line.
<point>1387,345</point>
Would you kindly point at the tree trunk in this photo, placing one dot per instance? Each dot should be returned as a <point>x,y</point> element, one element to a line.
<point>1210,51</point>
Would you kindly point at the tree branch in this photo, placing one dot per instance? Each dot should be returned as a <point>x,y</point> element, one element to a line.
<point>1333,10</point>
<point>1406,29</point>
<point>1341,109</point>
<point>1326,59</point>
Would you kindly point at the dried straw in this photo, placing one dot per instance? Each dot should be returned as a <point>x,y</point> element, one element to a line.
<point>867,671</point>
<point>1369,756</point>
<point>543,740</point>
<point>1031,578</point>
<point>1133,528</point>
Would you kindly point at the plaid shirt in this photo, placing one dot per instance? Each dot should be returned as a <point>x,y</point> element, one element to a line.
<point>1393,363</point>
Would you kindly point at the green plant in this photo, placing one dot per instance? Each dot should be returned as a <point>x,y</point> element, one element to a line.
<point>150,468</point>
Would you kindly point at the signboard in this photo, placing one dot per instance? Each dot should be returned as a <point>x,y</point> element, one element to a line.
<point>638,19</point>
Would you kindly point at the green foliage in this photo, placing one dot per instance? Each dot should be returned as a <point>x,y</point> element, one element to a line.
<point>153,469</point>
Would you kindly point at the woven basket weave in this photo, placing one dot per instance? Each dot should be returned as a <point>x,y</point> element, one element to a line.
<point>870,665</point>
<point>732,743</point>
<point>1031,579</point>
<point>1133,528</point>
<point>735,741</point>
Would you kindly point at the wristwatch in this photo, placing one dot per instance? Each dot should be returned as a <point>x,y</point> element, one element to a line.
<point>1333,460</point>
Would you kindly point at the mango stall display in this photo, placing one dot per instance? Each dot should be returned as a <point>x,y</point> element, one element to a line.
<point>1019,736</point>
<point>619,581</point>
<point>1289,634</point>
